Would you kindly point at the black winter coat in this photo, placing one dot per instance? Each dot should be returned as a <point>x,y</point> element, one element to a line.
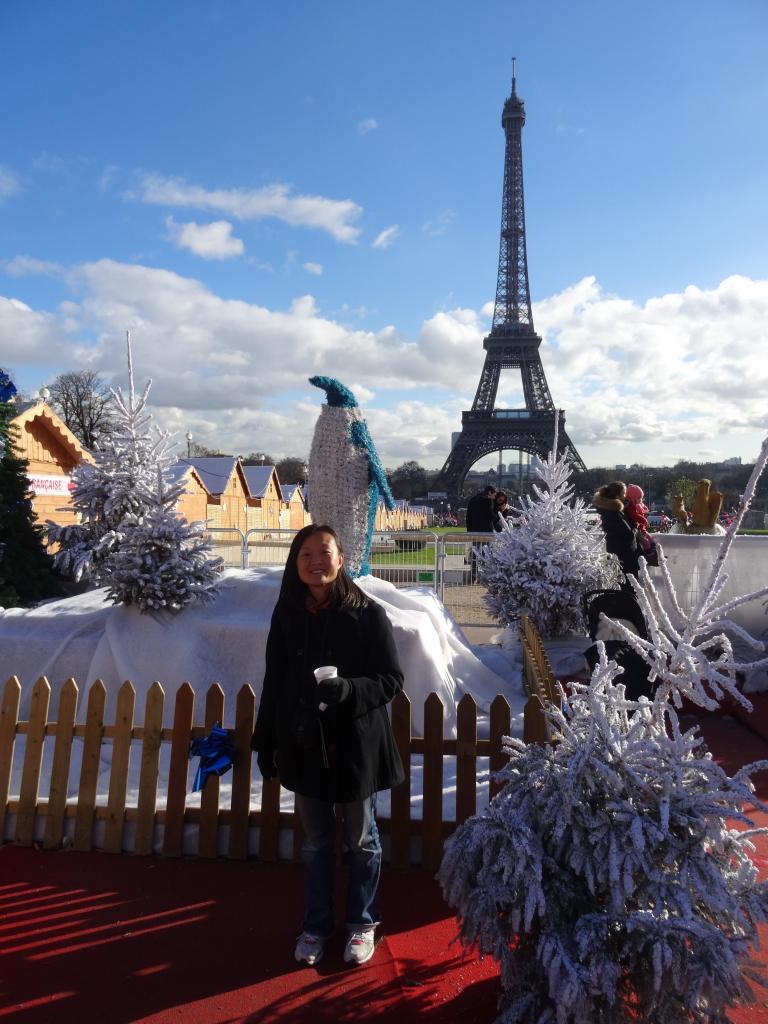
<point>620,534</point>
<point>354,737</point>
<point>480,514</point>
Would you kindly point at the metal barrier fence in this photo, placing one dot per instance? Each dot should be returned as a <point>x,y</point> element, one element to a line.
<point>406,558</point>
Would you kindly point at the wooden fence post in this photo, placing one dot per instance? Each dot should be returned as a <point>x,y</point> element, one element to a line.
<point>33,759</point>
<point>62,755</point>
<point>500,722</point>
<point>432,809</point>
<point>9,716</point>
<point>240,803</point>
<point>89,767</point>
<point>466,759</point>
<point>400,796</point>
<point>118,774</point>
<point>148,775</point>
<point>208,831</point>
<point>178,771</point>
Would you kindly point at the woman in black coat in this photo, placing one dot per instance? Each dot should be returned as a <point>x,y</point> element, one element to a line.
<point>330,742</point>
<point>620,533</point>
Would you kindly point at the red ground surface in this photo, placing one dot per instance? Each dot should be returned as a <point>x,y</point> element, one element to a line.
<point>94,938</point>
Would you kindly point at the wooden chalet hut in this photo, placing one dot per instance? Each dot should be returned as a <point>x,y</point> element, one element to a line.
<point>265,499</point>
<point>53,453</point>
<point>403,516</point>
<point>193,504</point>
<point>227,491</point>
<point>296,505</point>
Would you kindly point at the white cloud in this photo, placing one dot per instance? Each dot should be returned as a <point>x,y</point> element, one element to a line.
<point>686,366</point>
<point>386,237</point>
<point>368,124</point>
<point>212,241</point>
<point>9,183</point>
<point>564,128</point>
<point>336,216</point>
<point>107,175</point>
<point>28,266</point>
<point>440,224</point>
<point>314,268</point>
<point>28,336</point>
<point>678,375</point>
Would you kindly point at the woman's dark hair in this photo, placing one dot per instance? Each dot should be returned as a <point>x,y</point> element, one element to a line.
<point>613,489</point>
<point>344,592</point>
<point>501,494</point>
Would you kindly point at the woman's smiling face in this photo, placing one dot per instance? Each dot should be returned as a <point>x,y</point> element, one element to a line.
<point>319,562</point>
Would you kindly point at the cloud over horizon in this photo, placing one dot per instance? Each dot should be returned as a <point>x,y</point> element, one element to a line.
<point>627,374</point>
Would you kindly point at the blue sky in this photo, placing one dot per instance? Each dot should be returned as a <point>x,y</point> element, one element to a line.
<point>263,191</point>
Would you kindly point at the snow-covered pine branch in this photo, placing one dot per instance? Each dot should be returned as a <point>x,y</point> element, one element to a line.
<point>547,555</point>
<point>691,654</point>
<point>129,537</point>
<point>604,877</point>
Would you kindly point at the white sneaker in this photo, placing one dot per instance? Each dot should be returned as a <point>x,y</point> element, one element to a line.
<point>309,948</point>
<point>360,946</point>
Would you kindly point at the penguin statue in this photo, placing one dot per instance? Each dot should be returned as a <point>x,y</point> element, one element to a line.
<point>346,477</point>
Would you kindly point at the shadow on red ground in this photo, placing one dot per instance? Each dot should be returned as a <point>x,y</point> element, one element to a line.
<point>90,937</point>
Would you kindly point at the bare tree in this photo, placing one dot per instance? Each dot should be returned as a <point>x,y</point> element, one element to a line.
<point>292,470</point>
<point>258,459</point>
<point>82,400</point>
<point>201,451</point>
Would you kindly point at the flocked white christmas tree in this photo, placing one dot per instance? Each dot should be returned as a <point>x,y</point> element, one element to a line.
<point>129,538</point>
<point>605,877</point>
<point>547,556</point>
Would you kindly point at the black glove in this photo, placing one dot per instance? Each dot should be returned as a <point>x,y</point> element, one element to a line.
<point>333,691</point>
<point>265,759</point>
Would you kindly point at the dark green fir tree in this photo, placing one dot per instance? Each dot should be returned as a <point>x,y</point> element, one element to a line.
<point>26,569</point>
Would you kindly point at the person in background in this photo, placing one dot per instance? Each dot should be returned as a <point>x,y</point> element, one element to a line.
<point>502,510</point>
<point>480,511</point>
<point>636,512</point>
<point>480,519</point>
<point>330,742</point>
<point>620,533</point>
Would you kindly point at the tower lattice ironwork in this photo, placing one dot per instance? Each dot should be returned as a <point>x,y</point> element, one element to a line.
<point>512,344</point>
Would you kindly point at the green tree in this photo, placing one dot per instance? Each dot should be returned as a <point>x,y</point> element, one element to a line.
<point>685,486</point>
<point>292,470</point>
<point>410,480</point>
<point>26,569</point>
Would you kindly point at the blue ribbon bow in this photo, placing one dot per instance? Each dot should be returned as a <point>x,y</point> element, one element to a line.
<point>216,755</point>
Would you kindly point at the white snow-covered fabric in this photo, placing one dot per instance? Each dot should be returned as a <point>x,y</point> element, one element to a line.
<point>87,638</point>
<point>690,558</point>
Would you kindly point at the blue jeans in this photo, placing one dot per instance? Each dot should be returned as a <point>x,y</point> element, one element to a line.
<point>362,852</point>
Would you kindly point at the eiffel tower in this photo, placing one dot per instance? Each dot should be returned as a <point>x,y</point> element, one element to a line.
<point>512,344</point>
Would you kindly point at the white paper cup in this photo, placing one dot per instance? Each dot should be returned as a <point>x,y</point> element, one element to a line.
<point>325,672</point>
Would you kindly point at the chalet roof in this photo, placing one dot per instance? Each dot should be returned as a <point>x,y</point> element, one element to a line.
<point>179,470</point>
<point>290,489</point>
<point>30,412</point>
<point>214,470</point>
<point>258,477</point>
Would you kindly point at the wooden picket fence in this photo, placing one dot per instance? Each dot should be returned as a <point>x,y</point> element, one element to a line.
<point>239,817</point>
